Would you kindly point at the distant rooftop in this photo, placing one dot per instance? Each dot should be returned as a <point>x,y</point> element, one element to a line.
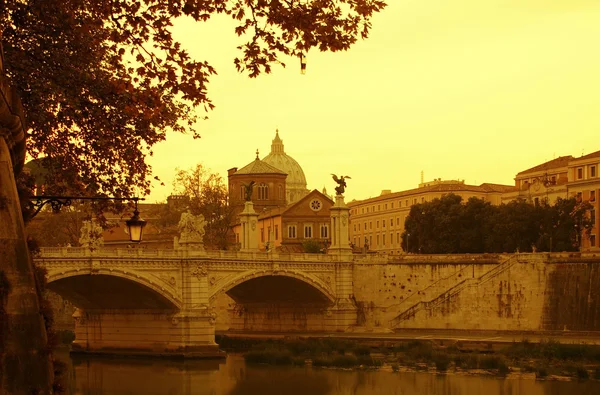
<point>561,161</point>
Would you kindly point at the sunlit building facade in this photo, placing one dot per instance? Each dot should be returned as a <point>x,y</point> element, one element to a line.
<point>376,224</point>
<point>563,177</point>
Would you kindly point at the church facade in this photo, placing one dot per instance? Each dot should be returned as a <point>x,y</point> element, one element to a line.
<point>289,214</point>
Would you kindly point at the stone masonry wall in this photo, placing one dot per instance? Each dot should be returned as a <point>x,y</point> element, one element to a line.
<point>527,292</point>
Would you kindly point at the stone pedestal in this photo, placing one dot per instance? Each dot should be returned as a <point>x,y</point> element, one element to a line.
<point>249,233</point>
<point>340,243</point>
<point>146,332</point>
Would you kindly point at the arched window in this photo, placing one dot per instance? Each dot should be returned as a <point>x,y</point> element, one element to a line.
<point>280,188</point>
<point>242,193</point>
<point>263,192</point>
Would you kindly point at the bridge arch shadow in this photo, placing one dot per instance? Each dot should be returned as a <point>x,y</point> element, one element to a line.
<point>116,290</point>
<point>276,286</point>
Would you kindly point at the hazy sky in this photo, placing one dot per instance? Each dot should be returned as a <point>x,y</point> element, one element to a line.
<point>464,89</point>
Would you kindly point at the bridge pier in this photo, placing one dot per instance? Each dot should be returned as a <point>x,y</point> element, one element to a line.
<point>146,332</point>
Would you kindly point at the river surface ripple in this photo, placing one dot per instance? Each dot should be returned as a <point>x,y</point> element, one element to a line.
<point>231,376</point>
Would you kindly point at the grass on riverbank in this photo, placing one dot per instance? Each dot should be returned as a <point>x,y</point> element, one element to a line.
<point>545,359</point>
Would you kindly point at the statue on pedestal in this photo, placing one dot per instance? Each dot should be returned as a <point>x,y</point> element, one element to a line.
<point>341,181</point>
<point>191,229</point>
<point>248,191</point>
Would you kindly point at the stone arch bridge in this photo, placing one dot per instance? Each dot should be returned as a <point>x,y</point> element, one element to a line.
<point>167,301</point>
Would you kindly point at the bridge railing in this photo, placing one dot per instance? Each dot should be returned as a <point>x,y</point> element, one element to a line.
<point>80,252</point>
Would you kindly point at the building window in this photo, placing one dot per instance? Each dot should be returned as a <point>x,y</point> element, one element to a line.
<point>379,207</point>
<point>398,238</point>
<point>362,210</point>
<point>415,201</point>
<point>377,241</point>
<point>383,222</point>
<point>354,227</point>
<point>592,196</point>
<point>579,196</point>
<point>276,232</point>
<point>370,224</point>
<point>592,240</point>
<point>422,200</point>
<point>385,207</point>
<point>377,225</point>
<point>406,203</point>
<point>325,231</point>
<point>262,235</point>
<point>292,231</point>
<point>593,217</point>
<point>399,203</point>
<point>373,209</point>
<point>383,239</point>
<point>308,231</point>
<point>370,240</point>
<point>280,188</point>
<point>392,205</point>
<point>553,180</point>
<point>242,193</point>
<point>397,221</point>
<point>263,192</point>
<point>580,173</point>
<point>592,171</point>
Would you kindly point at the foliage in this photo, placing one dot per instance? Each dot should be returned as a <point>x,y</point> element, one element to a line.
<point>271,356</point>
<point>103,81</point>
<point>447,225</point>
<point>58,229</point>
<point>312,246</point>
<point>201,192</point>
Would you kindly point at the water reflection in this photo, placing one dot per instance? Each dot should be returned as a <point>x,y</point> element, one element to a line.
<point>111,376</point>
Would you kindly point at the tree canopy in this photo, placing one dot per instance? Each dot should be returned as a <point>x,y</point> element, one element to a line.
<point>201,192</point>
<point>448,225</point>
<point>103,80</point>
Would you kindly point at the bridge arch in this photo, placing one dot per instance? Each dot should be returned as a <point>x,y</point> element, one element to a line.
<point>153,288</point>
<point>313,281</point>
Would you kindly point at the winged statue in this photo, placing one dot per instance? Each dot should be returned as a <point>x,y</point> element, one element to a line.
<point>248,190</point>
<point>341,181</point>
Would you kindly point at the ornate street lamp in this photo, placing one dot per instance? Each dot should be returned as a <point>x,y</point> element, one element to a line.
<point>135,225</point>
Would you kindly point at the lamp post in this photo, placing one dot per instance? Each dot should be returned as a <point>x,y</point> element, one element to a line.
<point>135,225</point>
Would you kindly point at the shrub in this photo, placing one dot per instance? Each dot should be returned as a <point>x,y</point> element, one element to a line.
<point>270,356</point>
<point>541,372</point>
<point>362,351</point>
<point>491,361</point>
<point>344,361</point>
<point>367,360</point>
<point>298,361</point>
<point>441,361</point>
<point>582,373</point>
<point>503,368</point>
<point>340,361</point>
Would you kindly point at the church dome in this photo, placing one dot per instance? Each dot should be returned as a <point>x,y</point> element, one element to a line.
<point>295,182</point>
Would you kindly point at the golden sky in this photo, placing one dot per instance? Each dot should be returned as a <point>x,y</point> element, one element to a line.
<point>463,89</point>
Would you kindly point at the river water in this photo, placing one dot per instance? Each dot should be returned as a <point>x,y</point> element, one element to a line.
<point>231,376</point>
